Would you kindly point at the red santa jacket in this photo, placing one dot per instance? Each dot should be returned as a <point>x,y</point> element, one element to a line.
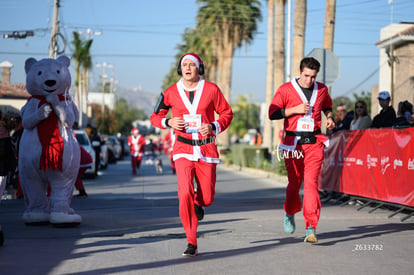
<point>290,95</point>
<point>136,145</point>
<point>207,99</point>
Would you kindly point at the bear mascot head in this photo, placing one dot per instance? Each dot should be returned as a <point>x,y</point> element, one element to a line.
<point>49,153</point>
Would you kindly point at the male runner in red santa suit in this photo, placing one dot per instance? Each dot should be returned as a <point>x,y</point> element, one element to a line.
<point>193,102</point>
<point>136,144</point>
<point>300,103</point>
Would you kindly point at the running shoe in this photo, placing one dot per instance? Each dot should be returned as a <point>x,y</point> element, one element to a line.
<point>199,211</point>
<point>310,235</point>
<point>191,251</point>
<point>289,223</point>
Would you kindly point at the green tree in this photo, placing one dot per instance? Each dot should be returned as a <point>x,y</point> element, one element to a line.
<point>83,62</point>
<point>119,120</point>
<point>233,23</point>
<point>246,116</point>
<point>125,114</point>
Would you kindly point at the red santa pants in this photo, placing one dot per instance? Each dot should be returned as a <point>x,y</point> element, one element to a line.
<point>304,164</point>
<point>135,163</point>
<point>205,175</point>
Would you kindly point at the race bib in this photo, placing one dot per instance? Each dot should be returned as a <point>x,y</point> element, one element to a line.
<point>305,125</point>
<point>193,123</point>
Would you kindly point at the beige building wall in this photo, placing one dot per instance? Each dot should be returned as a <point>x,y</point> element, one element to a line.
<point>385,69</point>
<point>404,79</point>
<point>375,108</point>
<point>403,66</point>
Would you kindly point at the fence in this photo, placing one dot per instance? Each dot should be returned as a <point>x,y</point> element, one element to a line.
<point>375,163</point>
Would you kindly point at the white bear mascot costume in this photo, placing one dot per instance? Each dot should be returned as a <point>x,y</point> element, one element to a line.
<point>49,152</point>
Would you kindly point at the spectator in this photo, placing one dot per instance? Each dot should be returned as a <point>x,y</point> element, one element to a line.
<point>343,118</point>
<point>405,112</point>
<point>8,159</point>
<point>361,118</point>
<point>121,140</point>
<point>386,116</point>
<point>14,179</point>
<point>93,135</point>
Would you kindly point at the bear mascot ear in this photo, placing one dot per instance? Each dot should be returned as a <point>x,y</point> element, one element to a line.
<point>64,60</point>
<point>29,63</point>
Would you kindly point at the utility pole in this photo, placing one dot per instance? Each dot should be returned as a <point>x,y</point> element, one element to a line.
<point>391,60</point>
<point>329,31</point>
<point>328,38</point>
<point>55,30</point>
<point>104,76</point>
<point>289,41</point>
<point>267,129</point>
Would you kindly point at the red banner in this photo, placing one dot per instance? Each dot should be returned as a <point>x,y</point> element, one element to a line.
<point>373,163</point>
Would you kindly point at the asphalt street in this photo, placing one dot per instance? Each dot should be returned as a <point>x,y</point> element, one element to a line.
<point>131,226</point>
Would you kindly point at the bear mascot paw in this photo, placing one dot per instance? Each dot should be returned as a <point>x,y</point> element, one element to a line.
<point>49,152</point>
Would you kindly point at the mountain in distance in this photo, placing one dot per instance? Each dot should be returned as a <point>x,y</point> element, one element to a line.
<point>138,98</point>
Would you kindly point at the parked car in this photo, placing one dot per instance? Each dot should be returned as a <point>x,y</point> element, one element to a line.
<point>84,141</point>
<point>104,157</point>
<point>114,148</point>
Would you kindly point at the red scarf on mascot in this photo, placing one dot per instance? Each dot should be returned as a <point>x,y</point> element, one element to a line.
<point>50,139</point>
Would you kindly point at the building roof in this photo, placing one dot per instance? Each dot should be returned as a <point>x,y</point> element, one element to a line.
<point>397,39</point>
<point>13,91</point>
<point>6,64</point>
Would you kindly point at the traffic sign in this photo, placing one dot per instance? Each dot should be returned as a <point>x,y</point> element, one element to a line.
<point>329,71</point>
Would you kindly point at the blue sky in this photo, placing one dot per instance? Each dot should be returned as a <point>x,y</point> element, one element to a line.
<point>139,38</point>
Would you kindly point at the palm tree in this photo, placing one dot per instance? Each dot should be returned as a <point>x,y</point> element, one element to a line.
<point>267,131</point>
<point>299,34</point>
<point>279,58</point>
<point>77,55</point>
<point>86,65</point>
<point>83,61</point>
<point>234,22</point>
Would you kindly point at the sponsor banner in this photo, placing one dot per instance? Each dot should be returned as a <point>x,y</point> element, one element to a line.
<point>372,163</point>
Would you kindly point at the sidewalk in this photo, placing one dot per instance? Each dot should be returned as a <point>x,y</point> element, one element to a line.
<point>131,226</point>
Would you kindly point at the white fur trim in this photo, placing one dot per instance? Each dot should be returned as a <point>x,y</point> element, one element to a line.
<point>192,58</point>
<point>284,147</point>
<point>218,129</point>
<point>196,158</point>
<point>164,123</point>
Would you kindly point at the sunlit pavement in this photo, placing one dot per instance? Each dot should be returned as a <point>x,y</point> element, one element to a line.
<point>131,226</point>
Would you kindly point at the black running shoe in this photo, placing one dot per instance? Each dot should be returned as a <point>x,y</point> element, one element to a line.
<point>199,211</point>
<point>191,251</point>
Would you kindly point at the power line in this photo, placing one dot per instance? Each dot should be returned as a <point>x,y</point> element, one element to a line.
<point>361,83</point>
